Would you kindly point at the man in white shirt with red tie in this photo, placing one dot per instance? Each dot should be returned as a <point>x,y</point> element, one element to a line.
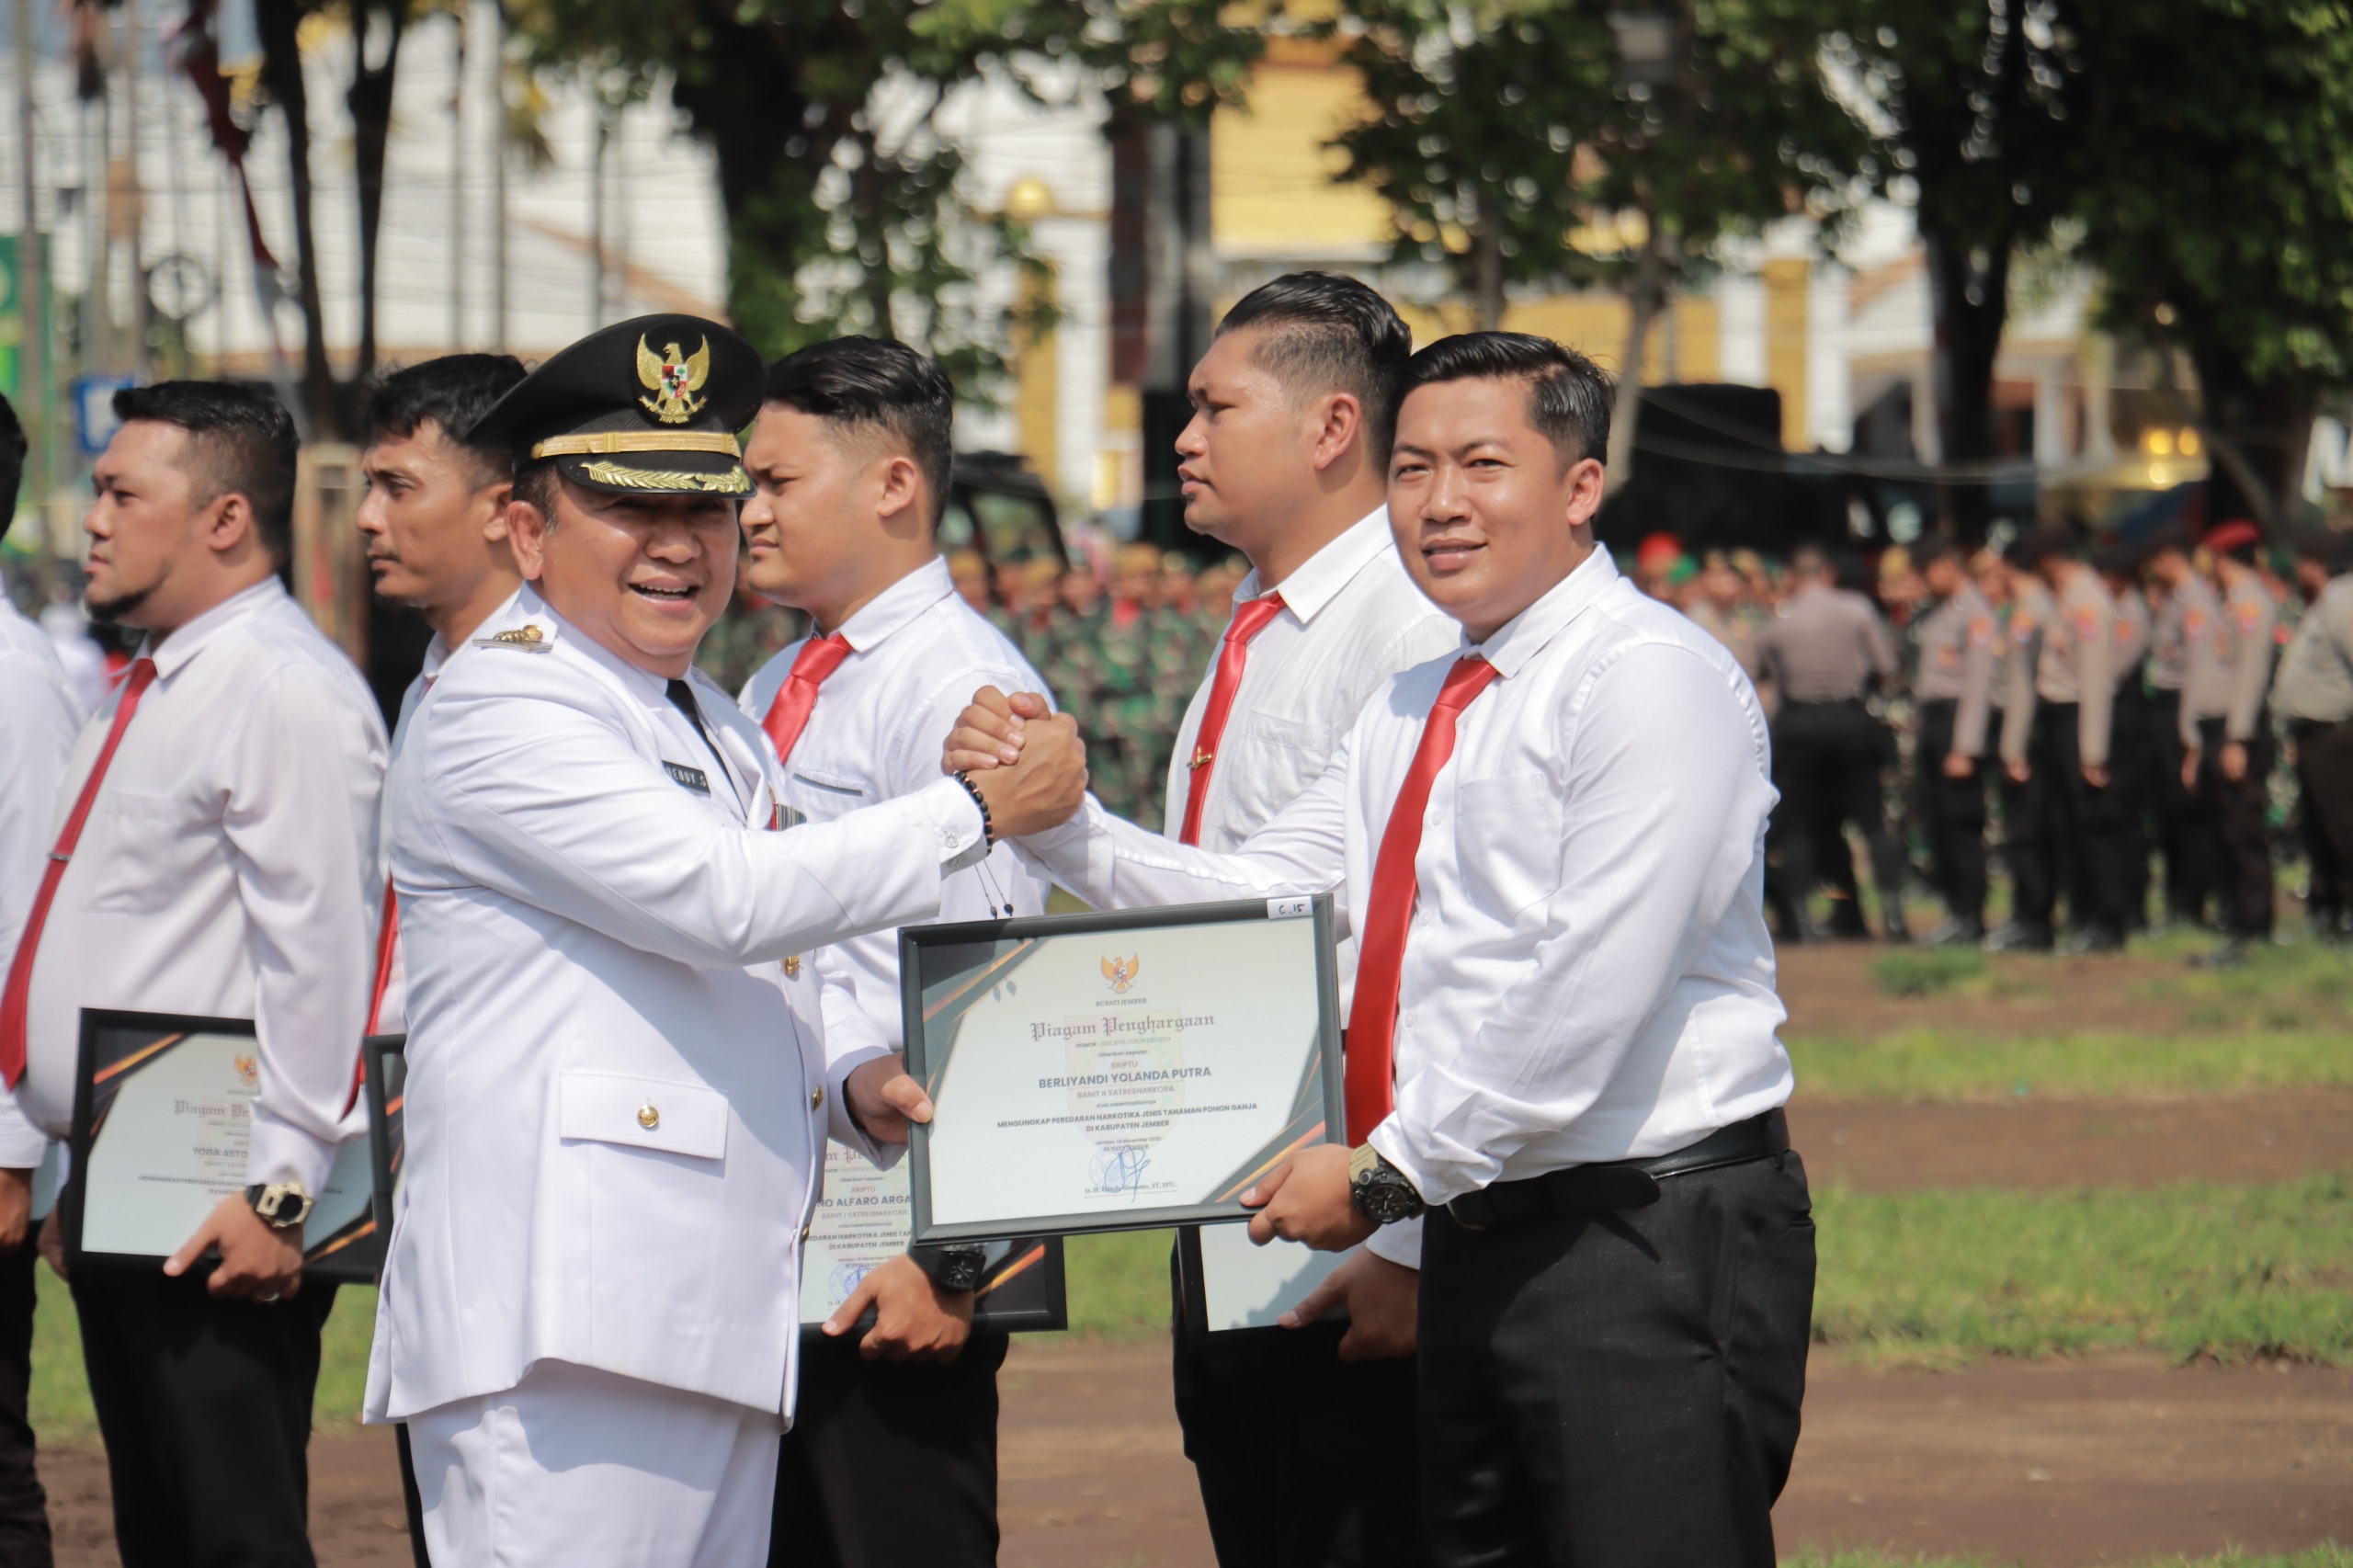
<point>215,856</point>
<point>1283,461</point>
<point>1561,1043</point>
<point>40,716</point>
<point>850,461</point>
<point>434,519</point>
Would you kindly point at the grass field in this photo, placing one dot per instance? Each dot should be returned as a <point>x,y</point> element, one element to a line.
<point>2327,1555</point>
<point>1929,1064</point>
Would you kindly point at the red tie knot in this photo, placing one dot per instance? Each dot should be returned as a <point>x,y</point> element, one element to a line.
<point>1250,617</point>
<point>819,657</point>
<point>1466,680</point>
<point>141,673</point>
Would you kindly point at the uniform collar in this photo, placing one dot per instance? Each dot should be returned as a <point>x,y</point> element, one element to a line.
<point>899,605</point>
<point>1525,634</point>
<point>189,641</point>
<point>438,653</point>
<point>1320,578</point>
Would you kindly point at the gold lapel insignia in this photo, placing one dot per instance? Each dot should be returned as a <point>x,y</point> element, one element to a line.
<point>672,381</point>
<point>527,637</point>
<point>792,967</point>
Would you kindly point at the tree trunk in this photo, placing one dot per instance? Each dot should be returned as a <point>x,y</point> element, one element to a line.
<point>281,72</point>
<point>1969,293</point>
<point>1644,298</point>
<point>371,101</point>
<point>2257,434</point>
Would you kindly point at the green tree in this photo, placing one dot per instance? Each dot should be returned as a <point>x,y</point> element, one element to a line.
<point>2218,208</point>
<point>1977,106</point>
<point>845,201</point>
<point>1567,141</point>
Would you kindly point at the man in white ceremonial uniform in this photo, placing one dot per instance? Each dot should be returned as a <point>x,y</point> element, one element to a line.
<point>216,856</point>
<point>625,1054</point>
<point>1283,461</point>
<point>40,715</point>
<point>1550,848</point>
<point>434,524</point>
<point>850,463</point>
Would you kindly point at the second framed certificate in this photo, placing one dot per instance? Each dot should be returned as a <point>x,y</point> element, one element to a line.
<point>1117,1071</point>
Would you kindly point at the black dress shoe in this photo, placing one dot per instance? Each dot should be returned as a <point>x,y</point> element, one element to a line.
<point>2017,936</point>
<point>1952,933</point>
<point>2095,939</point>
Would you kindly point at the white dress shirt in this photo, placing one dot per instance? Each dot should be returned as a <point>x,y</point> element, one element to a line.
<point>40,715</point>
<point>393,1017</point>
<point>1352,620</point>
<point>621,1068</point>
<point>1588,976</point>
<point>917,654</point>
<point>228,870</point>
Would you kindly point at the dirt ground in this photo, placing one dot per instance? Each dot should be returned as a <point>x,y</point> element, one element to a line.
<point>1828,990</point>
<point>2111,1460</point>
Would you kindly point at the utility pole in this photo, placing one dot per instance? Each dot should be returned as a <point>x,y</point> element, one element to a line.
<point>457,190</point>
<point>135,199</point>
<point>32,272</point>
<point>498,169</point>
<point>596,218</point>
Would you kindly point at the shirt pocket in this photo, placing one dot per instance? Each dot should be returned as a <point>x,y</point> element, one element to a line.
<point>134,846</point>
<point>821,793</point>
<point>661,1114</point>
<point>1507,841</point>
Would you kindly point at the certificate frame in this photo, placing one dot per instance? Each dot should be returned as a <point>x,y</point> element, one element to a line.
<point>1311,1123</point>
<point>385,1058</point>
<point>116,1045</point>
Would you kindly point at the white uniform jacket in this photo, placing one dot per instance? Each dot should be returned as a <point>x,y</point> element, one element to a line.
<point>616,1099</point>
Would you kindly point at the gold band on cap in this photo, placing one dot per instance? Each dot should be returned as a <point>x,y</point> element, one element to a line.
<point>734,482</point>
<point>605,442</point>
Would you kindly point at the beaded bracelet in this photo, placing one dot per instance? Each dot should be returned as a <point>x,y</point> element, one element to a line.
<point>988,822</point>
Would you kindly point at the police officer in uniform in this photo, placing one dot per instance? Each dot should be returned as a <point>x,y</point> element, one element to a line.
<point>2119,573</point>
<point>1959,641</point>
<point>625,1051</point>
<point>2314,695</point>
<point>2185,615</point>
<point>2229,752</point>
<point>2080,832</point>
<point>2025,794</point>
<point>1821,654</point>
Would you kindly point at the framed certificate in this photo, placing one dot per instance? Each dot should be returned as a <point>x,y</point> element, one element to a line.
<point>386,1056</point>
<point>1116,1072</point>
<point>864,1221</point>
<point>162,1114</point>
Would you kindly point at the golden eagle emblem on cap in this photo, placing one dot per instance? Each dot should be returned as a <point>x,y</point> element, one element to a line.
<point>672,381</point>
<point>1122,972</point>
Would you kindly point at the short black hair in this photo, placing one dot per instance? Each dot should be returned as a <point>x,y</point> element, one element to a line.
<point>1326,333</point>
<point>13,448</point>
<point>866,382</point>
<point>2117,560</point>
<point>1568,394</point>
<point>1929,549</point>
<point>2172,538</point>
<point>453,392</point>
<point>241,442</point>
<point>2331,548</point>
<point>2051,541</point>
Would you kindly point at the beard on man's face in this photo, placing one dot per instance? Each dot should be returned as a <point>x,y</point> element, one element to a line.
<point>115,609</point>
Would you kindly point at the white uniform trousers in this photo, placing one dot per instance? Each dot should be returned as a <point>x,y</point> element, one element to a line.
<point>574,1466</point>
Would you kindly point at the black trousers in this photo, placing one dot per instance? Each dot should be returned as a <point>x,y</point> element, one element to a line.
<point>2129,776</point>
<point>2074,833</point>
<point>1826,761</point>
<point>1618,1391</point>
<point>2241,814</point>
<point>2185,834</point>
<point>205,1406</point>
<point>24,1507</point>
<point>2324,786</point>
<point>1951,814</point>
<point>1304,1460</point>
<point>890,1466</point>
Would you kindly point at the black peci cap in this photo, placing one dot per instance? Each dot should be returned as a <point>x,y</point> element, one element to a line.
<point>648,406</point>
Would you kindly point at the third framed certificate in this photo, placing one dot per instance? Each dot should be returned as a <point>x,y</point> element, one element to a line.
<point>1117,1071</point>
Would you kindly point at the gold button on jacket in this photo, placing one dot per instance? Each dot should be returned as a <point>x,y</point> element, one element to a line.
<point>647,1117</point>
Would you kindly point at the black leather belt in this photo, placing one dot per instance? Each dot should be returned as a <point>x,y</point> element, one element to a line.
<point>2316,726</point>
<point>1618,1184</point>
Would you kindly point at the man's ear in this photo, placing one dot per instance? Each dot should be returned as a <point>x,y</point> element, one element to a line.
<point>231,523</point>
<point>527,531</point>
<point>499,499</point>
<point>1339,429</point>
<point>900,485</point>
<point>1587,484</point>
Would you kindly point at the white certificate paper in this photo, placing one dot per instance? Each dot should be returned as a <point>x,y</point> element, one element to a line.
<point>1111,1078</point>
<point>172,1144</point>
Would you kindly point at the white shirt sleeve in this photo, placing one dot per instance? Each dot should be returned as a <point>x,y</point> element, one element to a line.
<point>39,716</point>
<point>851,1041</point>
<point>305,771</point>
<point>1648,870</point>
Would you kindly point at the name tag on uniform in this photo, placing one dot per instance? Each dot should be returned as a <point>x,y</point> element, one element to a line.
<point>687,778</point>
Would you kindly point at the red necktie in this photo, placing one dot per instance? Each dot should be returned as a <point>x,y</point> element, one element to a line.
<point>14,1002</point>
<point>789,714</point>
<point>1380,947</point>
<point>1250,618</point>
